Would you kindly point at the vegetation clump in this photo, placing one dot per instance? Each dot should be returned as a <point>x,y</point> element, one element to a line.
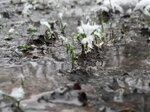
<point>25,48</point>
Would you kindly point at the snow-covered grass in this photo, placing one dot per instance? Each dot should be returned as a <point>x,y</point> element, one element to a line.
<point>125,6</point>
<point>144,6</point>
<point>89,30</point>
<point>119,5</point>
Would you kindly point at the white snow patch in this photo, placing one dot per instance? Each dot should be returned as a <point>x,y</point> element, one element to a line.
<point>18,93</point>
<point>26,10</point>
<point>148,62</point>
<point>11,30</point>
<point>1,92</point>
<point>142,4</point>
<point>60,15</point>
<point>43,22</point>
<point>69,110</point>
<point>88,40</point>
<point>88,29</point>
<point>64,39</point>
<point>146,11</point>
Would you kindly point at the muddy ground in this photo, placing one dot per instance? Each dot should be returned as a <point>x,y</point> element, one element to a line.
<point>115,77</point>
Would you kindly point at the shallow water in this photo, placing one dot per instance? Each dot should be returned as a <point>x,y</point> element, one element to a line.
<point>49,66</point>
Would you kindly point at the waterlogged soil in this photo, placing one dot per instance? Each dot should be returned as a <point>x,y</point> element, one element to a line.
<point>113,78</point>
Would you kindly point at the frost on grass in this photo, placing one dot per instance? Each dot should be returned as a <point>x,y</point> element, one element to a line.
<point>125,6</point>
<point>88,29</point>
